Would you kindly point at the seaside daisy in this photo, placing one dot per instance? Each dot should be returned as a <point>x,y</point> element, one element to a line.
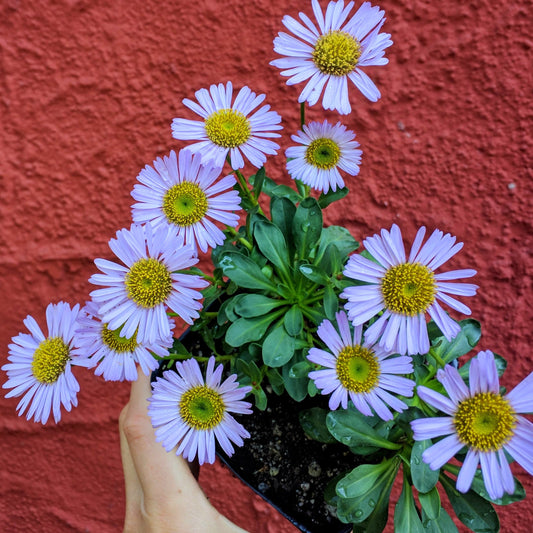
<point>333,53</point>
<point>116,357</point>
<point>324,150</point>
<point>137,294</point>
<point>192,413</point>
<point>229,128</point>
<point>182,192</point>
<point>405,289</point>
<point>481,419</point>
<point>40,366</point>
<point>359,371</point>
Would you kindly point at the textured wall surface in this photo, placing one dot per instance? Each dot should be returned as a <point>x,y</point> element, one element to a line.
<point>88,89</point>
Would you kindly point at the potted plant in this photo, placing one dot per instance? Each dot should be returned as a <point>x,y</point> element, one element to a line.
<point>347,377</point>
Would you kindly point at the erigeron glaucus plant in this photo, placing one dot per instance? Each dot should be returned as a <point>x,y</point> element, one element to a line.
<point>290,309</point>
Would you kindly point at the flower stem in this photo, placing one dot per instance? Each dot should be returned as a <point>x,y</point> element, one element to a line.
<point>302,114</point>
<point>242,240</point>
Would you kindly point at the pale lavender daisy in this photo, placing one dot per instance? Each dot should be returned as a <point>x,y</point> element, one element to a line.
<point>116,357</point>
<point>40,366</point>
<point>481,419</point>
<point>359,371</point>
<point>192,413</point>
<point>138,293</point>
<point>229,128</point>
<point>405,289</point>
<point>324,150</point>
<point>333,53</point>
<point>184,193</point>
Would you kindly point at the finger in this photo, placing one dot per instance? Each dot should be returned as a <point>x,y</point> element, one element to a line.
<point>159,472</point>
<point>131,480</point>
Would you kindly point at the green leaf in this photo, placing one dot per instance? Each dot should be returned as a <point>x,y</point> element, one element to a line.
<point>430,502</point>
<point>258,181</point>
<point>424,479</point>
<point>272,244</point>
<point>278,347</point>
<point>306,227</point>
<point>349,429</point>
<point>443,524</point>
<point>260,398</point>
<point>282,211</point>
<point>338,236</point>
<point>361,480</point>
<point>244,272</point>
<point>314,273</point>
<point>313,422</point>
<point>331,302</point>
<point>245,330</point>
<point>283,191</point>
<point>301,369</point>
<point>276,380</point>
<point>252,305</point>
<point>472,510</point>
<point>332,196</point>
<point>295,387</point>
<point>293,321</point>
<point>465,340</point>
<point>406,517</point>
<point>370,510</point>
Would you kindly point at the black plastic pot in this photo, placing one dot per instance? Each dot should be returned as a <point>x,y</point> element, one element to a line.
<point>281,464</point>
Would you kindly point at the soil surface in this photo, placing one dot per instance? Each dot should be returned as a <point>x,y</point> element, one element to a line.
<point>288,468</point>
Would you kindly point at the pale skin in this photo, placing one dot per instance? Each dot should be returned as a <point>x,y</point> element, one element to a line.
<point>162,495</point>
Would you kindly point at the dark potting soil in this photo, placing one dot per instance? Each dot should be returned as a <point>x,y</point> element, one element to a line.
<point>289,469</point>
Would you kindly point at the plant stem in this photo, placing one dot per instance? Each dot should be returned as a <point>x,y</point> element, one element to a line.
<point>242,240</point>
<point>302,114</point>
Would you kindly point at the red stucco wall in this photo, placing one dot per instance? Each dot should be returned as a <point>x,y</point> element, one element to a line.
<point>88,91</point>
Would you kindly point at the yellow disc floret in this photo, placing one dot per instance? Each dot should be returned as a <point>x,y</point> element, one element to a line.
<point>112,339</point>
<point>185,204</point>
<point>323,153</point>
<point>336,53</point>
<point>227,128</point>
<point>358,369</point>
<point>148,283</point>
<point>201,407</point>
<point>408,288</point>
<point>50,360</point>
<point>485,421</point>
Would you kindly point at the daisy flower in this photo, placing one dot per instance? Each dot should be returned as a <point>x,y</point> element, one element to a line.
<point>405,290</point>
<point>115,356</point>
<point>325,148</point>
<point>359,371</point>
<point>481,419</point>
<point>194,413</point>
<point>333,53</point>
<point>229,128</point>
<point>185,195</point>
<point>40,366</point>
<point>137,294</point>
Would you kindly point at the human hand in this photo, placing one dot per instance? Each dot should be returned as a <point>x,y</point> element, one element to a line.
<point>162,495</point>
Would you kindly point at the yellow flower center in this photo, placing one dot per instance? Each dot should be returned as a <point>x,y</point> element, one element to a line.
<point>358,369</point>
<point>185,204</point>
<point>227,128</point>
<point>408,288</point>
<point>201,407</point>
<point>484,422</point>
<point>50,360</point>
<point>148,283</point>
<point>323,153</point>
<point>112,339</point>
<point>336,53</point>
